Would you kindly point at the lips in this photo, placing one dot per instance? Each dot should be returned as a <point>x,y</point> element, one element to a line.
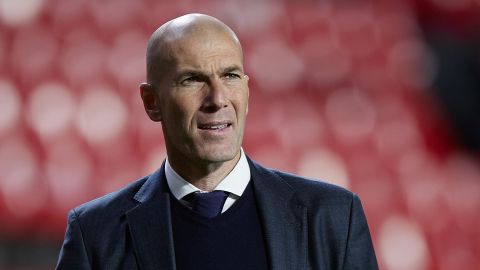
<point>214,125</point>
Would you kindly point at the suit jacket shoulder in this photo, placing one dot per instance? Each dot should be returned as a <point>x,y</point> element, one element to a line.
<point>329,219</point>
<point>312,189</point>
<point>111,204</point>
<point>310,193</point>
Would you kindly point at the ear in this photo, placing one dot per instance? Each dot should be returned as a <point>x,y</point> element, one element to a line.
<point>150,101</point>
<point>248,93</point>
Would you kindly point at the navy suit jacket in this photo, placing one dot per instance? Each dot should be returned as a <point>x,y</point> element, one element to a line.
<point>307,225</point>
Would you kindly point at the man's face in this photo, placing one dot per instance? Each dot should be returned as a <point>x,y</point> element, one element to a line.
<point>203,99</point>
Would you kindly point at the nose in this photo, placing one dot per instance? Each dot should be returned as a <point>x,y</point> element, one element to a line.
<point>216,98</point>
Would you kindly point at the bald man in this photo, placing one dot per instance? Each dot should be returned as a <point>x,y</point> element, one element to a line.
<point>209,206</point>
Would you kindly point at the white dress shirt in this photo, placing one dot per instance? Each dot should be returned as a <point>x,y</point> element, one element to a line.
<point>234,183</point>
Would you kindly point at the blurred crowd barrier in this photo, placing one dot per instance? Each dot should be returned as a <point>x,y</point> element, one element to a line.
<point>350,92</point>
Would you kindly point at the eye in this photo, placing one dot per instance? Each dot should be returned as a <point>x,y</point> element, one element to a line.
<point>190,80</point>
<point>231,76</point>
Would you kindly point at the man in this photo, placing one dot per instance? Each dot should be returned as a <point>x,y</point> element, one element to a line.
<point>209,206</point>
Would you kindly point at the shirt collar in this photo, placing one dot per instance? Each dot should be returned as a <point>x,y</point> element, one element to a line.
<point>235,182</point>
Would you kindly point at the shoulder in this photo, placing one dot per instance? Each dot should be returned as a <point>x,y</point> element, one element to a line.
<point>312,193</point>
<point>314,189</point>
<point>109,205</point>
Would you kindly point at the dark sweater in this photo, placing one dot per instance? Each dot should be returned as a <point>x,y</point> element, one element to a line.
<point>232,240</point>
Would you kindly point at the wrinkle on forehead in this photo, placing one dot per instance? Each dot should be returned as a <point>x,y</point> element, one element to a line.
<point>175,32</point>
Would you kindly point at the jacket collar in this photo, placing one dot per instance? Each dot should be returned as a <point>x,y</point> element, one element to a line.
<point>284,219</point>
<point>150,224</point>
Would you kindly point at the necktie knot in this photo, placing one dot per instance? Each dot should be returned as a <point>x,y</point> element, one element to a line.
<point>208,204</point>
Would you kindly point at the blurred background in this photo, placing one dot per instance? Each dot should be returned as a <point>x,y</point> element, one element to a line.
<point>381,97</point>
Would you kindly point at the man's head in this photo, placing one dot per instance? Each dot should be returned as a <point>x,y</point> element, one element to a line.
<point>197,89</point>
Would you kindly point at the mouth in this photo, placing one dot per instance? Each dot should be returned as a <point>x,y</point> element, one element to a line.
<point>214,126</point>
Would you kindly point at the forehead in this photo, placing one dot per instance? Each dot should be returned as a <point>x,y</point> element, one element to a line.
<point>201,50</point>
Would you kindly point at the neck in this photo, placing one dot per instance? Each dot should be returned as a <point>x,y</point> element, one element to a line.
<point>204,175</point>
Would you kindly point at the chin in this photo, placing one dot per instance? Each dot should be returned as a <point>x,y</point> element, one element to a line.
<point>220,154</point>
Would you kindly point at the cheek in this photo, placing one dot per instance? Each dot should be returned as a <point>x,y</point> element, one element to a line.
<point>183,109</point>
<point>241,101</point>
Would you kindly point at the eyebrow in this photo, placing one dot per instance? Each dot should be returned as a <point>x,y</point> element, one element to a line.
<point>194,72</point>
<point>232,69</point>
<point>187,73</point>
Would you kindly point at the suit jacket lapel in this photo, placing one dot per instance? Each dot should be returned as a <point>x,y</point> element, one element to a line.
<point>284,219</point>
<point>284,222</point>
<point>150,224</point>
